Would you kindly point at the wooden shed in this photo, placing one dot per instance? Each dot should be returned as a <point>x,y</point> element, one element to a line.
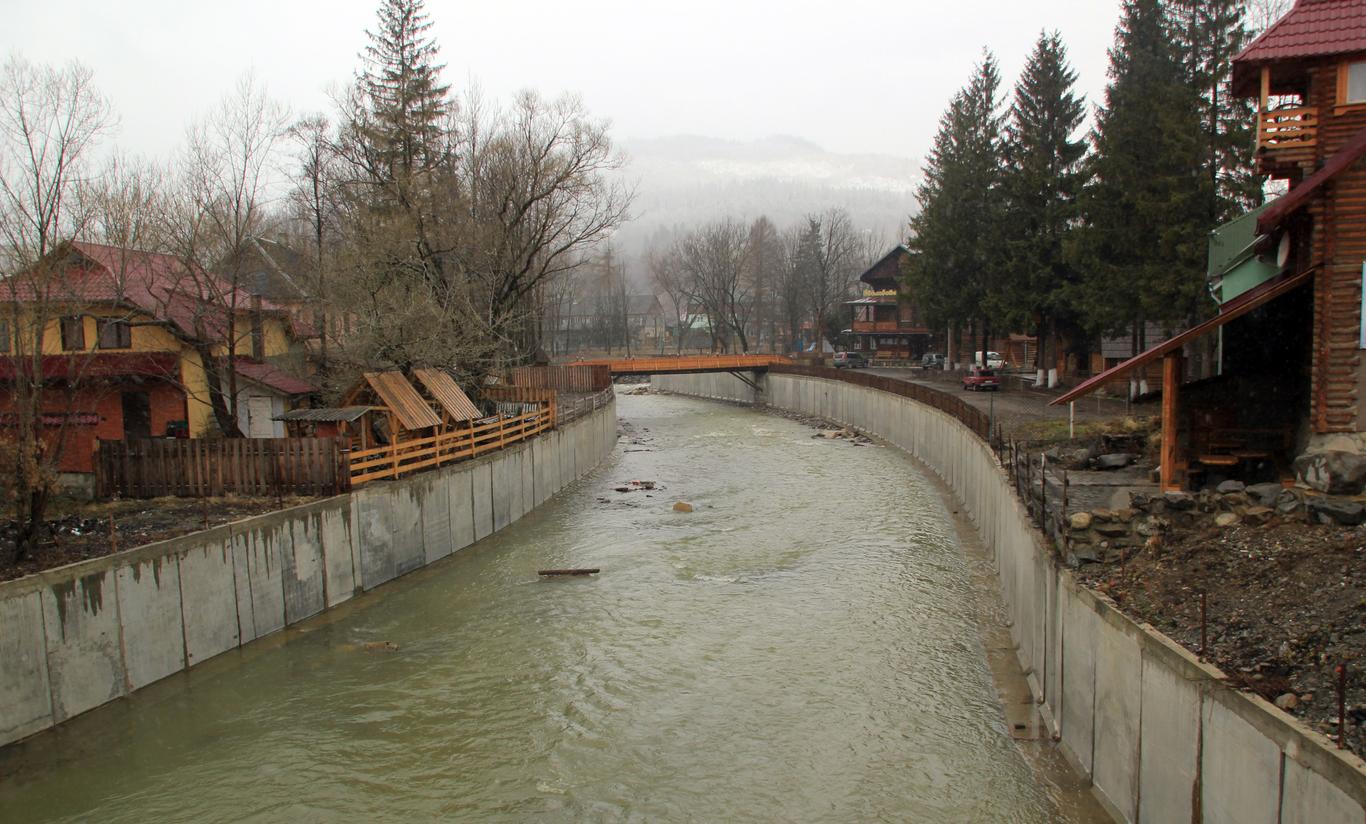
<point>454,405</point>
<point>401,412</point>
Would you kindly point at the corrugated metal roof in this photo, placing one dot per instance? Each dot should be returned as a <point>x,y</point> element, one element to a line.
<point>1313,28</point>
<point>403,400</point>
<point>329,414</point>
<point>446,392</point>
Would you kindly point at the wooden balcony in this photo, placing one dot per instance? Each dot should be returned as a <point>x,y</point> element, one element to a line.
<point>1287,139</point>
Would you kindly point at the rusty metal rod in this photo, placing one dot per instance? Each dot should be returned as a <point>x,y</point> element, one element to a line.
<point>1342,706</point>
<point>1203,624</point>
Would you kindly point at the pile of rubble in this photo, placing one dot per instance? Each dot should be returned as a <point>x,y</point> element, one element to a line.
<point>1105,535</point>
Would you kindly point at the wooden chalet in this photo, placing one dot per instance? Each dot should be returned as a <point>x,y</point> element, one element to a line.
<point>885,323</point>
<point>1289,277</point>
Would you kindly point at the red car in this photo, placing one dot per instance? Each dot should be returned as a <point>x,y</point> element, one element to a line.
<point>979,379</point>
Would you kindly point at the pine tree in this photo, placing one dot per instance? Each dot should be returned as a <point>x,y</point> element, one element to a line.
<point>1142,245</point>
<point>1208,34</point>
<point>957,231</point>
<point>405,102</point>
<point>1042,179</point>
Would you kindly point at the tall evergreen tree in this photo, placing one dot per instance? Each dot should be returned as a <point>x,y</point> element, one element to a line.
<point>1043,177</point>
<point>957,231</point>
<point>406,103</point>
<point>1142,245</point>
<point>1208,34</point>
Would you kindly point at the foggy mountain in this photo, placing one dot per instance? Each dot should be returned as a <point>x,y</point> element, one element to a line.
<point>684,181</point>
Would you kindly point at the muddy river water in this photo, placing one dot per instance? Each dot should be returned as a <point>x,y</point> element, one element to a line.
<point>804,646</point>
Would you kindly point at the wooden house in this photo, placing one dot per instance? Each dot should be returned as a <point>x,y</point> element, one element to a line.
<point>131,342</point>
<point>885,322</point>
<point>1289,278</point>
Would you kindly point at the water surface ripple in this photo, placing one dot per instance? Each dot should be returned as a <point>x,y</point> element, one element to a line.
<point>802,647</point>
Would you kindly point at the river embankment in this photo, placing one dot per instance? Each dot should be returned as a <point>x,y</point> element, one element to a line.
<point>80,636</point>
<point>1161,734</point>
<point>770,655</point>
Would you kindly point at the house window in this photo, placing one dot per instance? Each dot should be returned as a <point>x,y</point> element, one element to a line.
<point>4,337</point>
<point>73,334</point>
<point>258,343</point>
<point>1354,80</point>
<point>113,334</point>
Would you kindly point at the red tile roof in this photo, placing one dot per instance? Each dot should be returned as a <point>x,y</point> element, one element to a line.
<point>1313,28</point>
<point>272,377</point>
<point>194,301</point>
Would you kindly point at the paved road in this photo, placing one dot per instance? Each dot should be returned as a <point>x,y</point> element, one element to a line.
<point>1014,404</point>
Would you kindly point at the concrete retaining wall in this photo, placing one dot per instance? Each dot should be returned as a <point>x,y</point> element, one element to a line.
<point>77,637</point>
<point>1162,739</point>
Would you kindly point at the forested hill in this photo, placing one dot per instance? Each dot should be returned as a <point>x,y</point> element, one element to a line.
<point>684,181</point>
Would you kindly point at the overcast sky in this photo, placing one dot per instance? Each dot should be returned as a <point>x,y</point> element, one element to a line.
<point>850,75</point>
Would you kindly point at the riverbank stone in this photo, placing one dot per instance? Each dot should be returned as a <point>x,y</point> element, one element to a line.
<point>1336,510</point>
<point>1334,472</point>
<point>1264,494</point>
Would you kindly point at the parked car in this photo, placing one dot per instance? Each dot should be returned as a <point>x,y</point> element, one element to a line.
<point>852,360</point>
<point>980,378</point>
<point>932,361</point>
<point>993,360</point>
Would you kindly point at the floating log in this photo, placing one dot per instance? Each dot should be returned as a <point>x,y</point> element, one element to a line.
<point>592,571</point>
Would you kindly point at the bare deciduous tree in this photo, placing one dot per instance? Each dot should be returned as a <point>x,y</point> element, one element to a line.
<point>50,121</point>
<point>220,201</point>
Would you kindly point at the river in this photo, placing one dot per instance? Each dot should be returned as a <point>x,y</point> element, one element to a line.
<point>804,646</point>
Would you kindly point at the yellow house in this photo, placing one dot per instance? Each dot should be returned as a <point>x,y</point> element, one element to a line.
<point>141,345</point>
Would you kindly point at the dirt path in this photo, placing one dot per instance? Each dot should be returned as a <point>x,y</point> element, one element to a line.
<point>1018,409</point>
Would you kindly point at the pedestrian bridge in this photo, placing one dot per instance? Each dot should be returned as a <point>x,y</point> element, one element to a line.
<point>687,364</point>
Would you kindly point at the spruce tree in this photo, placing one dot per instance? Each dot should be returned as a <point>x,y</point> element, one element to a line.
<point>1208,34</point>
<point>1143,242</point>
<point>1042,179</point>
<point>957,231</point>
<point>406,103</point>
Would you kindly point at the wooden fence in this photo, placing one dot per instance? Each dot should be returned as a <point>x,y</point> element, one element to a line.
<point>581,378</point>
<point>198,468</point>
<point>974,418</point>
<point>403,457</point>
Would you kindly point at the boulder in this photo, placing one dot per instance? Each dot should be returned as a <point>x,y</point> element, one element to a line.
<point>1230,486</point>
<point>1080,521</point>
<point>1288,501</point>
<point>1336,510</point>
<point>682,506</point>
<point>1112,530</point>
<point>1226,519</point>
<point>1115,460</point>
<point>1334,472</point>
<point>1126,514</point>
<point>1264,494</point>
<point>1288,701</point>
<point>1258,515</point>
<point>1102,514</point>
<point>1179,500</point>
<point>1139,501</point>
<point>1234,500</point>
<point>1152,526</point>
